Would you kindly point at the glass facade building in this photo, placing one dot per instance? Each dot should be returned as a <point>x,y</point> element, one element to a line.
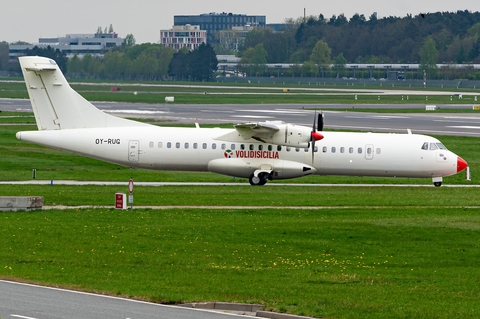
<point>212,22</point>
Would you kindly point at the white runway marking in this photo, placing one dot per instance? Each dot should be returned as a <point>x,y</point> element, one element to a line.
<point>467,127</point>
<point>18,316</point>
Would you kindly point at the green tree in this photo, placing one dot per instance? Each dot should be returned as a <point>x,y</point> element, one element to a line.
<point>244,64</point>
<point>129,40</point>
<point>74,66</point>
<point>321,56</point>
<point>339,64</point>
<point>258,60</point>
<point>203,62</point>
<point>179,68</point>
<point>116,65</point>
<point>428,57</point>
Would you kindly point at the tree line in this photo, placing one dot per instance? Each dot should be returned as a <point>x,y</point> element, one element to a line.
<point>310,45</point>
<point>135,62</point>
<point>316,42</point>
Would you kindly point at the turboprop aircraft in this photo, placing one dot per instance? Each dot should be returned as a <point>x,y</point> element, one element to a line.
<point>258,151</point>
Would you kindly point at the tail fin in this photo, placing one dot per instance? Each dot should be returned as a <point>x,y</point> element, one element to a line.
<point>56,105</point>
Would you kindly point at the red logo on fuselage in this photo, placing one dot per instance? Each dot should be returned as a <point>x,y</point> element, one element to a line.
<point>256,154</point>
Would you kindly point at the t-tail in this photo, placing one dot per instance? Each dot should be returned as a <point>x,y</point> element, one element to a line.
<point>56,105</point>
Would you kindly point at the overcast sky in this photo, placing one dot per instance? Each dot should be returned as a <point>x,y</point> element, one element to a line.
<point>29,20</point>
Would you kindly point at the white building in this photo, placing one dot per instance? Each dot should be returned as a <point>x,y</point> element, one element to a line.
<point>189,36</point>
<point>71,44</point>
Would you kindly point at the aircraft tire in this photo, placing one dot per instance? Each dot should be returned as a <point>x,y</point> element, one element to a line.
<point>259,180</point>
<point>437,184</point>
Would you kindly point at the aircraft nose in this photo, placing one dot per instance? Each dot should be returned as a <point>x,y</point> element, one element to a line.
<point>461,164</point>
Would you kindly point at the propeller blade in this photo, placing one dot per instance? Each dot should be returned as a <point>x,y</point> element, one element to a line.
<point>321,118</point>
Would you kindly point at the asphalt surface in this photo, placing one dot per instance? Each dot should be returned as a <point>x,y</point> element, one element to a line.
<point>35,302</point>
<point>460,124</point>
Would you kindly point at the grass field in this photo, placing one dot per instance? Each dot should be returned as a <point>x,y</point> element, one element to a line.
<point>234,93</point>
<point>357,252</point>
<point>332,263</point>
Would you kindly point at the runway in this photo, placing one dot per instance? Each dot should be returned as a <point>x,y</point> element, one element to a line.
<point>459,124</point>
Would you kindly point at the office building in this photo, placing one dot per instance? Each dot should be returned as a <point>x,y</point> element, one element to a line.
<point>214,22</point>
<point>189,36</point>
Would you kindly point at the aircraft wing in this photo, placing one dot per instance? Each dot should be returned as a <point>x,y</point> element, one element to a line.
<point>258,130</point>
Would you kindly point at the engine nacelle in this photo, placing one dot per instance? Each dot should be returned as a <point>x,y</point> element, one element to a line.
<point>291,135</point>
<point>244,167</point>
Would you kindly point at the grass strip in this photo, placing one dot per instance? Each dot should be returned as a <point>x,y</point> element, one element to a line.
<point>344,263</point>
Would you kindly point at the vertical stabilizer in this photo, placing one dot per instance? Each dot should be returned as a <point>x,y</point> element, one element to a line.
<point>56,105</point>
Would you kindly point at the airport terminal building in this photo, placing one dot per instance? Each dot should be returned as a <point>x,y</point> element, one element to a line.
<point>71,44</point>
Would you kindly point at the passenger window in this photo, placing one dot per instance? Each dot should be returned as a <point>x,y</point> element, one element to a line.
<point>204,146</point>
<point>350,150</point>
<point>369,150</point>
<point>306,149</point>
<point>270,147</point>
<point>288,148</point>
<point>177,145</point>
<point>224,146</point>
<point>251,147</point>
<point>360,150</point>
<point>195,145</point>
<point>150,144</point>
<point>279,148</point>
<point>242,146</point>
<point>297,149</point>
<point>324,149</point>
<point>260,147</point>
<point>186,145</point>
<point>160,144</point>
<point>334,149</point>
<point>169,145</point>
<point>433,146</point>
<point>425,146</point>
<point>232,147</point>
<point>379,150</point>
<point>342,149</point>
<point>214,146</point>
<point>315,149</point>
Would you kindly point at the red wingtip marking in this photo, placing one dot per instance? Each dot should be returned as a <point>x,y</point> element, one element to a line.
<point>461,164</point>
<point>317,136</point>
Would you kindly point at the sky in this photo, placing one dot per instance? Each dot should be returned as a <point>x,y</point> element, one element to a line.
<point>33,19</point>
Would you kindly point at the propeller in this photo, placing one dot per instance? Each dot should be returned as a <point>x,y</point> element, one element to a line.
<point>315,136</point>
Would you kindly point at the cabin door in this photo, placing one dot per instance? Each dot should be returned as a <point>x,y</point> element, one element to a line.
<point>133,150</point>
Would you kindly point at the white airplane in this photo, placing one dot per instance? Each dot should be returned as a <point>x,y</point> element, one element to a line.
<point>257,151</point>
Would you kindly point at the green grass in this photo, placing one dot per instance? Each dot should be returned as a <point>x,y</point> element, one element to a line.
<point>276,196</point>
<point>240,93</point>
<point>372,252</point>
<point>331,263</point>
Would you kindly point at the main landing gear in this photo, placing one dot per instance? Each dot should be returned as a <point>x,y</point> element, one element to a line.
<point>259,180</point>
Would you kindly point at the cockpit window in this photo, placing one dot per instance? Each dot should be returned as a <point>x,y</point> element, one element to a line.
<point>441,146</point>
<point>433,146</point>
<point>425,146</point>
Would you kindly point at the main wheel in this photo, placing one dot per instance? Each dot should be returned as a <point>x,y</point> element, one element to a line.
<point>254,180</point>
<point>259,180</point>
<point>437,184</point>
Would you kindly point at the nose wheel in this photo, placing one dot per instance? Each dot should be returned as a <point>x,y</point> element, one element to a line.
<point>437,181</point>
